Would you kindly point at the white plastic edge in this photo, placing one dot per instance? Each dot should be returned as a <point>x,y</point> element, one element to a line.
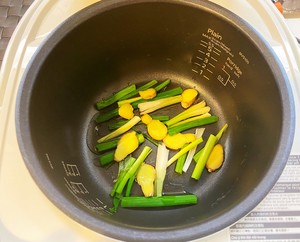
<point>292,53</point>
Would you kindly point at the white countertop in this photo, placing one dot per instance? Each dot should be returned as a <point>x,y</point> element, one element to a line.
<point>294,24</point>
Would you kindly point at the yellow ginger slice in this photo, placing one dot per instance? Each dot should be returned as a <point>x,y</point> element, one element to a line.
<point>126,145</point>
<point>126,111</point>
<point>216,158</point>
<point>188,97</point>
<point>145,178</point>
<point>189,137</point>
<point>177,141</point>
<point>157,130</point>
<point>148,94</point>
<point>146,119</point>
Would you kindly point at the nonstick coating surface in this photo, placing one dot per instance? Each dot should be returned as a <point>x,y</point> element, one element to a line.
<point>114,43</point>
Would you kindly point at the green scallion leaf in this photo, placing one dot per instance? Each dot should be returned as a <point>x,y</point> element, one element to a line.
<point>163,201</point>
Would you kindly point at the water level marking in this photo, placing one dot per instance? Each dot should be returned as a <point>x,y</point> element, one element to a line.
<point>49,161</point>
<point>76,187</point>
<point>217,53</point>
<point>205,77</point>
<point>217,49</point>
<point>212,65</point>
<point>214,59</point>
<point>71,169</point>
<point>223,80</point>
<point>233,83</point>
<point>95,204</point>
<point>202,52</point>
<point>99,201</point>
<point>227,80</point>
<point>228,76</point>
<point>79,187</point>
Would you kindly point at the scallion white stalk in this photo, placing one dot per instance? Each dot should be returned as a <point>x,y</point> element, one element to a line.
<point>160,166</point>
<point>198,134</point>
<point>151,106</point>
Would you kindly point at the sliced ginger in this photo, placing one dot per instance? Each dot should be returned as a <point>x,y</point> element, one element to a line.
<point>126,145</point>
<point>177,141</point>
<point>188,97</point>
<point>148,94</point>
<point>146,119</point>
<point>145,178</point>
<point>189,137</point>
<point>157,130</point>
<point>216,158</point>
<point>126,111</point>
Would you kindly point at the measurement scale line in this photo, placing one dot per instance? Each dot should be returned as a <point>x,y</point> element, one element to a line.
<point>196,63</point>
<point>204,42</point>
<point>217,49</point>
<point>202,52</point>
<point>99,200</point>
<point>195,71</point>
<point>214,59</point>
<point>203,45</point>
<point>209,71</point>
<point>205,77</point>
<point>199,58</point>
<point>212,65</point>
<point>217,53</point>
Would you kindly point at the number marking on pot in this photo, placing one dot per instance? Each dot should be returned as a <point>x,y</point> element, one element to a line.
<point>206,58</point>
<point>71,169</point>
<point>214,59</point>
<point>227,79</point>
<point>78,187</point>
<point>80,191</point>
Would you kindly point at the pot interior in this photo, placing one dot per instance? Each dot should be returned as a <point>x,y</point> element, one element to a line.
<point>116,43</point>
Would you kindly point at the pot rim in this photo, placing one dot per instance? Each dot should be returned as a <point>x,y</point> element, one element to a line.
<point>177,233</point>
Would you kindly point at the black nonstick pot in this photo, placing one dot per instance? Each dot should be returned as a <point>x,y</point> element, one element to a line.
<point>198,44</point>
